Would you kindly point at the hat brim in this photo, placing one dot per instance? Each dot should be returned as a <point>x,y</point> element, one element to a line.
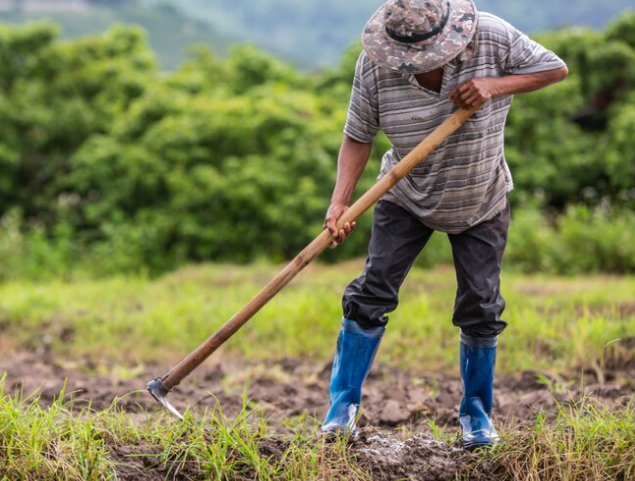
<point>426,55</point>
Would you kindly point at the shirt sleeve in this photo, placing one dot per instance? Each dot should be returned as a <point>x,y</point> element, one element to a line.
<point>362,121</point>
<point>524,55</point>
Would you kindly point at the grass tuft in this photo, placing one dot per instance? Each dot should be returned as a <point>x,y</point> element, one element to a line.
<point>587,441</point>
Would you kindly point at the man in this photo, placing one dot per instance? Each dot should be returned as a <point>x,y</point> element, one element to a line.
<point>422,59</point>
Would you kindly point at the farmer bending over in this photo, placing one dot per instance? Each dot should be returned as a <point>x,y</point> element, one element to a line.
<point>422,59</point>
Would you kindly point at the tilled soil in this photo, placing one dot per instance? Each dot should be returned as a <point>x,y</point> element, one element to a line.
<point>394,400</point>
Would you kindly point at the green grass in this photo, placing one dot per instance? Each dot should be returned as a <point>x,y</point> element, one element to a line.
<point>37,443</point>
<point>555,323</point>
<point>57,443</point>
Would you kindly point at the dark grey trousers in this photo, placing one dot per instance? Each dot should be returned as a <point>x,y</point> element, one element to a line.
<point>398,237</point>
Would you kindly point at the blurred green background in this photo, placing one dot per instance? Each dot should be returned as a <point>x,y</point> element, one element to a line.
<point>309,33</point>
<point>125,151</point>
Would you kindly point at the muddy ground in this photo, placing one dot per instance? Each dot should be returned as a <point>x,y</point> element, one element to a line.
<point>395,402</point>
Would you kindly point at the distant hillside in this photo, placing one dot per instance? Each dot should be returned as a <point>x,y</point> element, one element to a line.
<point>309,33</point>
<point>170,31</point>
<point>316,31</point>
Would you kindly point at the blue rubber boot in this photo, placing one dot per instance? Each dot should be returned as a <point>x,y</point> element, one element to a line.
<point>477,358</point>
<point>354,355</point>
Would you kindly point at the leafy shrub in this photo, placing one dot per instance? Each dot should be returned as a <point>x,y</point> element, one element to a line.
<point>581,241</point>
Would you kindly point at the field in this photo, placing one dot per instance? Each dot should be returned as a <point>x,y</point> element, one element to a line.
<point>77,353</point>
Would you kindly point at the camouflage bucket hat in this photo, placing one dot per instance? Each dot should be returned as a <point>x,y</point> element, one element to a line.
<point>415,36</point>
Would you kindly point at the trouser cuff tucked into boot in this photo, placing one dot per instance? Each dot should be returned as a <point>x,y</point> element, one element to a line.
<point>477,360</point>
<point>354,355</point>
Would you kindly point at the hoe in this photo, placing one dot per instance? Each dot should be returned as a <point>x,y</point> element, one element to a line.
<point>161,386</point>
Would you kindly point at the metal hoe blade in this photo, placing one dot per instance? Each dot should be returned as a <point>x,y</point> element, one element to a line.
<point>160,393</point>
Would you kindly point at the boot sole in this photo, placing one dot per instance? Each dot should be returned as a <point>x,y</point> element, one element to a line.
<point>338,435</point>
<point>474,445</point>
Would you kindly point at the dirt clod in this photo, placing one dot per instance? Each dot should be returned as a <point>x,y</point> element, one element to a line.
<point>394,413</point>
<point>420,458</point>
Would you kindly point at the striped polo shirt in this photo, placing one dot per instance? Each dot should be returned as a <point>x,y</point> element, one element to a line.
<point>466,179</point>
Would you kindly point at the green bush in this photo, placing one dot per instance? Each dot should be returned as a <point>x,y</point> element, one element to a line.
<point>581,241</point>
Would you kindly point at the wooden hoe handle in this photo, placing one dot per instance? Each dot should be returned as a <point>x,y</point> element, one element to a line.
<point>310,252</point>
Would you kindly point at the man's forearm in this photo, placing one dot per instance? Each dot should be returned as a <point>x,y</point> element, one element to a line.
<point>520,84</point>
<point>350,166</point>
<point>351,162</point>
<point>476,91</point>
